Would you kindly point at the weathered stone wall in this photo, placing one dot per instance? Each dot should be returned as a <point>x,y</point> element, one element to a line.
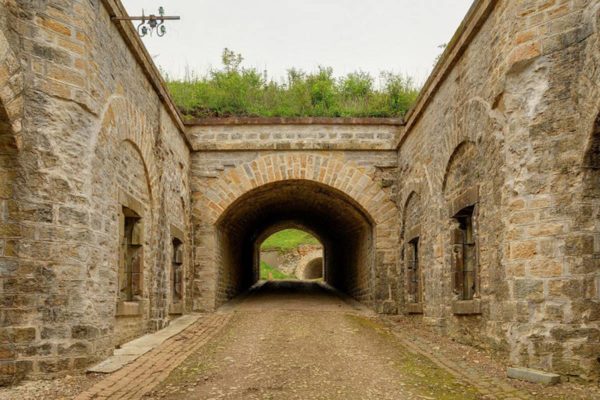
<point>95,132</point>
<point>507,130</point>
<point>363,189</point>
<point>13,298</point>
<point>294,134</point>
<point>507,126</point>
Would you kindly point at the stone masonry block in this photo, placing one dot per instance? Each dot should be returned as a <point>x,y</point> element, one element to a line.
<point>534,376</point>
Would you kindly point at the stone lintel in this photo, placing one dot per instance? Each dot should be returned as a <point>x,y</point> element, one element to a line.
<point>177,233</point>
<point>176,308</point>
<point>413,233</point>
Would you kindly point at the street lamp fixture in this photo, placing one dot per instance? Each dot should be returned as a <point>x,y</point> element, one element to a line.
<point>150,23</point>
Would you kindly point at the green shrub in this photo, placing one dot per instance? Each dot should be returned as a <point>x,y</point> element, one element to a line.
<point>245,92</point>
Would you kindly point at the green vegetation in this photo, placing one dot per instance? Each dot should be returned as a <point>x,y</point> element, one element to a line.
<point>245,92</point>
<point>266,269</point>
<point>419,373</point>
<point>288,239</point>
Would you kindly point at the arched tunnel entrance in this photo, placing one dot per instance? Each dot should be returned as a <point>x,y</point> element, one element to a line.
<point>314,269</point>
<point>341,225</point>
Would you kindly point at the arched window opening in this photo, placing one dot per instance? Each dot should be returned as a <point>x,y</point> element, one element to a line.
<point>341,226</point>
<point>314,269</point>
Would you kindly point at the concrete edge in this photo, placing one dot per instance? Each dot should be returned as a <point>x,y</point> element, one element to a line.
<point>533,375</point>
<point>136,348</point>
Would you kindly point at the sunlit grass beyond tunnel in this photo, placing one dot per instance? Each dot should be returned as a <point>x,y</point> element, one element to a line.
<point>288,239</point>
<point>283,247</point>
<point>268,272</point>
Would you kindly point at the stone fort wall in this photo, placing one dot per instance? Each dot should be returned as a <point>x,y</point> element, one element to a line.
<point>95,136</point>
<point>218,178</point>
<point>507,131</point>
<point>505,138</point>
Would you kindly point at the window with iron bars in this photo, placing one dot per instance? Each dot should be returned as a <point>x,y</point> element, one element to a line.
<point>413,271</point>
<point>130,268</point>
<point>177,271</point>
<point>464,257</point>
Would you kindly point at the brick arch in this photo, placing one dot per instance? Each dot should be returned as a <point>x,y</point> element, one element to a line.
<point>11,86</point>
<point>273,229</point>
<point>232,191</point>
<point>451,160</point>
<point>411,189</point>
<point>412,193</point>
<point>121,118</point>
<point>452,141</point>
<point>138,151</point>
<point>11,120</point>
<point>592,154</point>
<point>473,119</point>
<point>329,171</point>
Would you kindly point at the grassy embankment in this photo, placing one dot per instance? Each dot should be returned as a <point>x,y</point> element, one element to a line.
<point>283,241</point>
<point>236,91</point>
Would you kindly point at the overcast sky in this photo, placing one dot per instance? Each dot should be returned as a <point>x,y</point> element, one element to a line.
<point>348,35</point>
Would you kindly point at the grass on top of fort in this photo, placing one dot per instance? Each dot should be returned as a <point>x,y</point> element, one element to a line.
<point>236,91</point>
<point>288,239</point>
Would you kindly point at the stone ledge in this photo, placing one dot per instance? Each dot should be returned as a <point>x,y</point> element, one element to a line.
<point>532,375</point>
<point>176,309</point>
<point>293,121</point>
<point>131,351</point>
<point>414,308</point>
<point>466,307</point>
<point>129,308</point>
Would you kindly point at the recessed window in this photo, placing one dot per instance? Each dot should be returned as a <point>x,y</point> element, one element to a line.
<point>464,257</point>
<point>413,271</point>
<point>130,267</point>
<point>177,271</point>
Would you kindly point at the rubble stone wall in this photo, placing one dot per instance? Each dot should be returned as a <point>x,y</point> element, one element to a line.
<point>508,125</point>
<point>81,120</point>
<point>221,179</point>
<point>510,129</point>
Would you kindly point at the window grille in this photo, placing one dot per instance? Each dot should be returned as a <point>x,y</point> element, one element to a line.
<point>464,258</point>
<point>131,265</point>
<point>177,271</point>
<point>414,281</point>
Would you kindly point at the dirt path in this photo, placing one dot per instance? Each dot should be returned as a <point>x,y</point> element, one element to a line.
<point>303,342</point>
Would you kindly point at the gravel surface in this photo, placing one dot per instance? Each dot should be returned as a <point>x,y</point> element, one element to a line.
<point>305,343</point>
<point>291,340</point>
<point>57,389</point>
<point>489,363</point>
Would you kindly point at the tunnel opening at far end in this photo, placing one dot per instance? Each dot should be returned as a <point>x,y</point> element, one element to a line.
<point>284,255</point>
<point>343,228</point>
